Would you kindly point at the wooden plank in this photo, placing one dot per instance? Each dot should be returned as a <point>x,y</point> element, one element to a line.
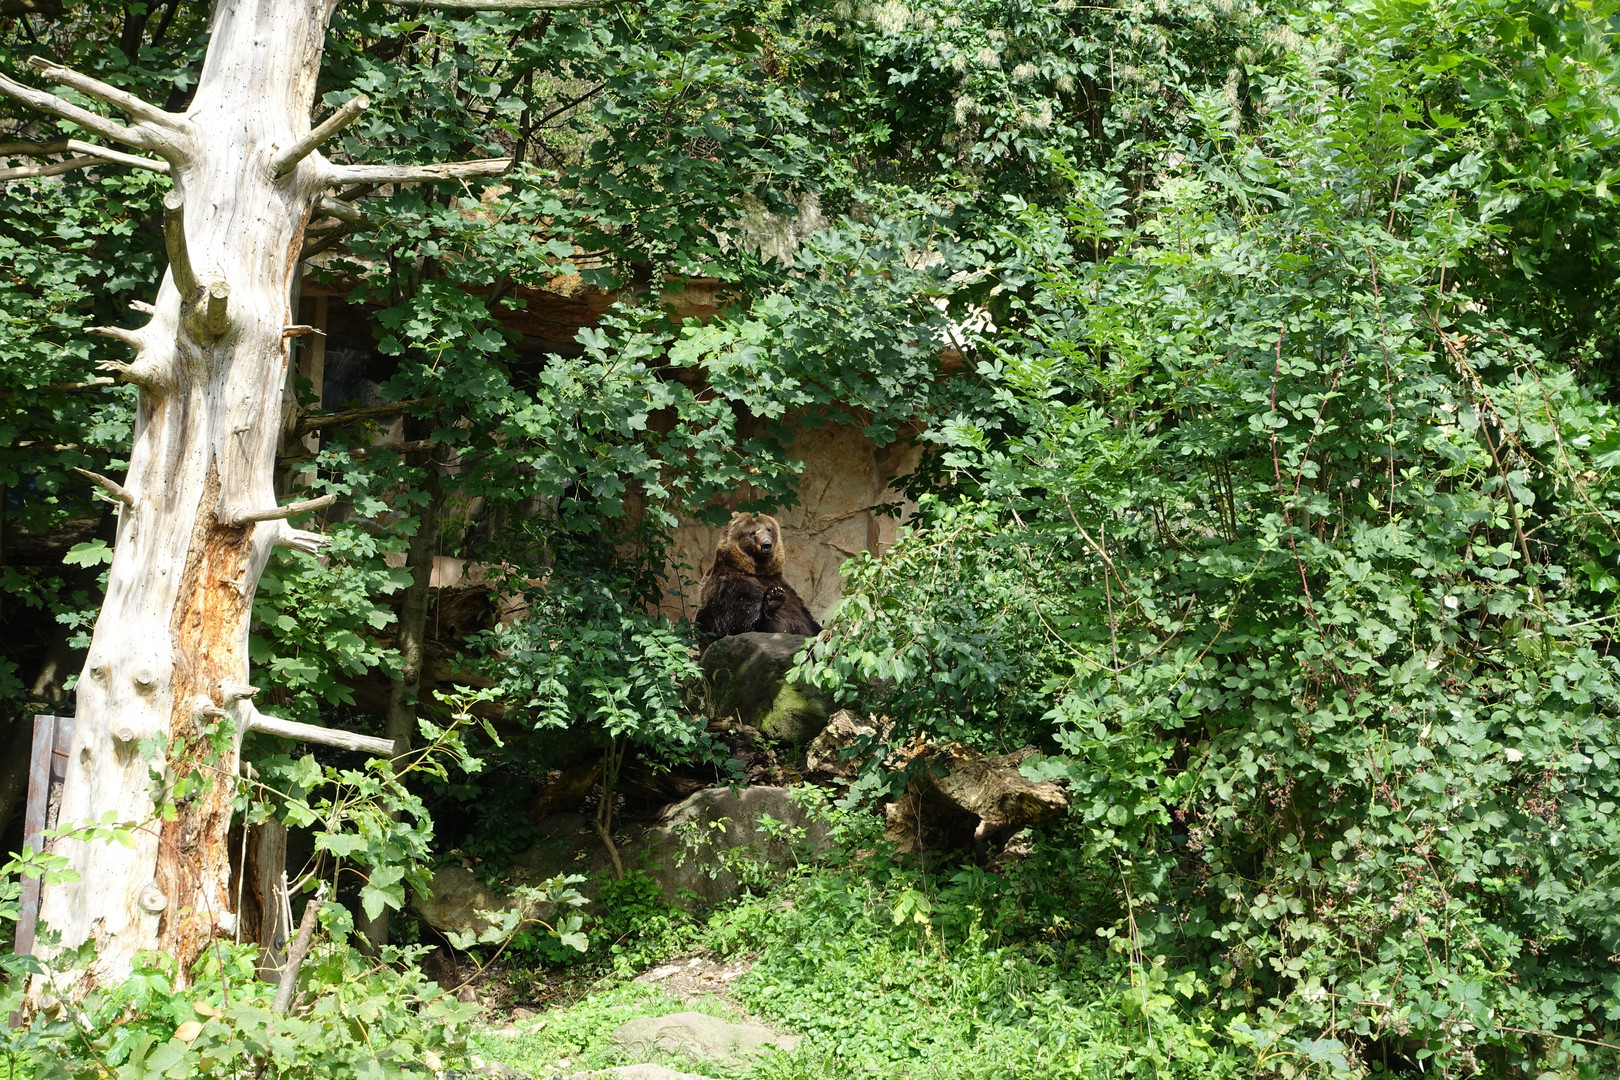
<point>47,765</point>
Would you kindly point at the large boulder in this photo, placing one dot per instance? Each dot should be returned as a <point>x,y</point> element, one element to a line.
<point>719,841</point>
<point>454,900</point>
<point>745,678</point>
<point>732,1044</point>
<point>711,845</point>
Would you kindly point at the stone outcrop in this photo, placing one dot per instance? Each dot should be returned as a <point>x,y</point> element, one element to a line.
<point>843,490</point>
<point>710,846</point>
<point>701,1037</point>
<point>718,841</point>
<point>457,895</point>
<point>745,679</point>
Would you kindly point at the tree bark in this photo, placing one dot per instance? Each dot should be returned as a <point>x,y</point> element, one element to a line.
<point>164,698</point>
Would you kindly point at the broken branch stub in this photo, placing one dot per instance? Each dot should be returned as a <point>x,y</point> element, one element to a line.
<point>235,517</point>
<point>288,159</point>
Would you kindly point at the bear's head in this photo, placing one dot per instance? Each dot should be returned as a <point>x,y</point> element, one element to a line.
<point>753,544</point>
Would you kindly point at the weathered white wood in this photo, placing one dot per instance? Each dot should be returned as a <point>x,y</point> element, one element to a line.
<point>122,100</point>
<point>149,164</point>
<point>167,668</point>
<point>154,130</point>
<point>237,517</point>
<point>344,740</point>
<point>413,174</point>
<point>283,162</point>
<point>55,168</point>
<point>211,364</point>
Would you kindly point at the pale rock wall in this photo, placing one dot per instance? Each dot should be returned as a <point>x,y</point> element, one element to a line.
<point>843,478</point>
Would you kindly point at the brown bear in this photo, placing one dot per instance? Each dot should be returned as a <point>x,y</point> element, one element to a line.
<point>744,590</point>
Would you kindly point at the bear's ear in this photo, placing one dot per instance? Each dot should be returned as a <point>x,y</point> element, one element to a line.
<point>735,514</point>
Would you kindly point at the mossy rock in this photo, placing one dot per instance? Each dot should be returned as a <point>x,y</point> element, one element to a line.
<point>745,678</point>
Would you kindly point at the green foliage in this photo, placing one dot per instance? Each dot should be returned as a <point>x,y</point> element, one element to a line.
<point>318,619</point>
<point>361,1020</point>
<point>1303,547</point>
<point>586,655</point>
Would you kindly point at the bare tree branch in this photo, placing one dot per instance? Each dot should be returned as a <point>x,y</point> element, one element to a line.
<point>233,517</point>
<point>328,240</point>
<point>53,169</point>
<point>316,421</point>
<point>174,239</point>
<point>326,206</point>
<point>143,111</point>
<point>346,740</point>
<point>301,539</point>
<point>111,487</point>
<point>119,156</point>
<point>414,174</point>
<point>33,149</point>
<point>299,950</point>
<point>146,139</point>
<point>284,162</point>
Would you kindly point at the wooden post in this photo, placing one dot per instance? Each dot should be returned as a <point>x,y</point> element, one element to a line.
<point>46,769</point>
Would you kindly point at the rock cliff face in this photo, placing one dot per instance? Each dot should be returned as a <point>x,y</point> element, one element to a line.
<point>844,478</point>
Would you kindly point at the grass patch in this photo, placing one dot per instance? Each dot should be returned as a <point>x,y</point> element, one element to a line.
<point>884,976</point>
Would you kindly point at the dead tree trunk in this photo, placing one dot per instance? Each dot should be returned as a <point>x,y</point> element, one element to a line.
<point>164,696</point>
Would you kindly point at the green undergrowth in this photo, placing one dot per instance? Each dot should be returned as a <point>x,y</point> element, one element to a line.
<point>886,972</point>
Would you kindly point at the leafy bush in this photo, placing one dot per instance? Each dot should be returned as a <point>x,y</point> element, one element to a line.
<point>358,1019</point>
<point>1305,547</point>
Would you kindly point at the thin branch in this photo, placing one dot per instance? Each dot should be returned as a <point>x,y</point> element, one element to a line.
<point>107,129</point>
<point>117,333</point>
<point>111,487</point>
<point>317,421</point>
<point>232,518</point>
<point>367,451</point>
<point>143,307</point>
<point>284,162</point>
<point>327,241</point>
<point>299,950</point>
<point>559,110</point>
<point>326,206</point>
<point>33,149</point>
<point>414,174</point>
<point>143,111</point>
<point>150,164</point>
<point>53,169</point>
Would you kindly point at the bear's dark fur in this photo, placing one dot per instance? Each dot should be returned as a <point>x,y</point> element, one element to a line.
<point>744,590</point>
